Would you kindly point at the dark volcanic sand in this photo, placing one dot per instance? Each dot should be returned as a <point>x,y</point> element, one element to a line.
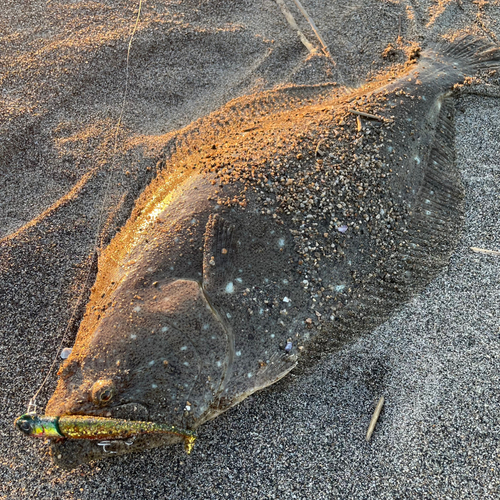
<point>437,362</point>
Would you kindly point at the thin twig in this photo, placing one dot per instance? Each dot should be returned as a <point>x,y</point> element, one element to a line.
<point>484,250</point>
<point>291,21</point>
<point>374,419</point>
<point>366,115</point>
<point>314,27</point>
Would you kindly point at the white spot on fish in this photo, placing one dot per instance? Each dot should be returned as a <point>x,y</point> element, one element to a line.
<point>150,269</point>
<point>249,375</point>
<point>286,299</point>
<point>184,348</point>
<point>137,309</point>
<point>339,288</point>
<point>185,363</point>
<point>154,386</point>
<point>164,329</point>
<point>228,315</point>
<point>417,159</point>
<point>390,149</point>
<point>427,201</point>
<point>206,326</point>
<point>272,335</point>
<point>66,352</point>
<point>133,336</point>
<point>219,364</point>
<point>261,311</point>
<point>230,287</point>
<point>187,408</point>
<point>428,212</point>
<point>285,281</point>
<point>193,221</point>
<point>239,280</point>
<point>238,353</point>
<point>281,242</point>
<point>151,363</point>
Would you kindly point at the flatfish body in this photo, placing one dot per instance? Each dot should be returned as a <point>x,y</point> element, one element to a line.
<point>282,226</point>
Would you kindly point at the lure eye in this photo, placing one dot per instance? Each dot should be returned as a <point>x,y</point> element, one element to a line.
<point>103,392</point>
<point>24,425</point>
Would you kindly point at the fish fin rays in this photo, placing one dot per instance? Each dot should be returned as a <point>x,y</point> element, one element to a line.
<point>425,244</point>
<point>460,57</point>
<point>244,385</point>
<point>473,52</point>
<point>218,253</point>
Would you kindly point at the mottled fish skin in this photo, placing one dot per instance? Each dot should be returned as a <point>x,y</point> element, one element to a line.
<point>236,251</point>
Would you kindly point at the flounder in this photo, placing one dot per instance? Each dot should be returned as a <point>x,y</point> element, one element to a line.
<point>282,226</point>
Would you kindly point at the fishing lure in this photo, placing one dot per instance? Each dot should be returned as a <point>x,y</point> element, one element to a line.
<point>89,427</point>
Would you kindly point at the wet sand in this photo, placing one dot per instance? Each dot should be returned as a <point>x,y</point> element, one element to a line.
<point>437,362</point>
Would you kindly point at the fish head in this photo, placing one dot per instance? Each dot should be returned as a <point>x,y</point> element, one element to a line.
<point>162,355</point>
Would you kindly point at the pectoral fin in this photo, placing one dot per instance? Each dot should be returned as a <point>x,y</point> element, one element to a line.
<point>218,254</point>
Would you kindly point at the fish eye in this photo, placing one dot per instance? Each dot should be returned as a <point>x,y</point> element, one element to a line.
<point>106,395</point>
<point>102,392</point>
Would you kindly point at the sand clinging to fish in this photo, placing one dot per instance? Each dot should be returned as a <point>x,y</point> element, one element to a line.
<point>284,225</point>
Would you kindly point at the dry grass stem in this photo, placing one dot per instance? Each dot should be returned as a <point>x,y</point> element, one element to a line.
<point>366,115</point>
<point>314,27</point>
<point>485,251</point>
<point>374,419</point>
<point>293,24</point>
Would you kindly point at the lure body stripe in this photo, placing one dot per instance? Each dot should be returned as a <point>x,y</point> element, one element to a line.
<point>89,427</point>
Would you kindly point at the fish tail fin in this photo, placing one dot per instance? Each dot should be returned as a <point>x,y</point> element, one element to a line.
<point>469,53</point>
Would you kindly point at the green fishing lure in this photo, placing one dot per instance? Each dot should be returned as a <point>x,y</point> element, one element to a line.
<point>88,427</point>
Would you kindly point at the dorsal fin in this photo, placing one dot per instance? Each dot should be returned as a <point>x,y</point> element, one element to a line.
<point>427,243</point>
